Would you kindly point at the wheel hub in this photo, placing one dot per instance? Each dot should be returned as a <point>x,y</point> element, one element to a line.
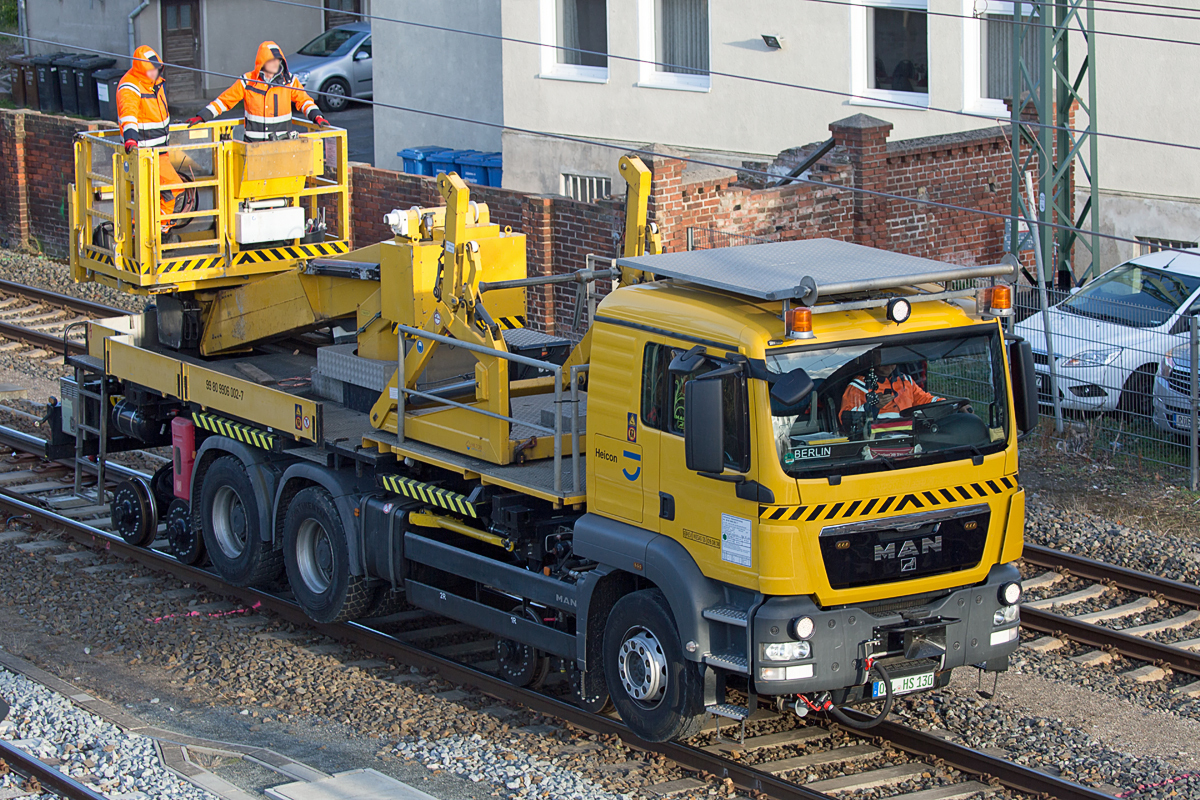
<point>314,556</point>
<point>229,522</point>
<point>643,667</point>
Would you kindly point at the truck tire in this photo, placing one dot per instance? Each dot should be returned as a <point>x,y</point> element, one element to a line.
<point>317,559</point>
<point>230,522</point>
<point>658,693</point>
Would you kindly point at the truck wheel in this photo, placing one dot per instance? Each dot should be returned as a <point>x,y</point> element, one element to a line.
<point>658,693</point>
<point>318,561</point>
<point>229,520</point>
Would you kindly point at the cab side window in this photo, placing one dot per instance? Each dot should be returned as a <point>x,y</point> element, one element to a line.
<point>662,403</point>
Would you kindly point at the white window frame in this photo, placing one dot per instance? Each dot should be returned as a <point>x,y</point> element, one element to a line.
<point>973,100</point>
<point>551,69</point>
<point>860,48</point>
<point>649,76</point>
<point>595,182</point>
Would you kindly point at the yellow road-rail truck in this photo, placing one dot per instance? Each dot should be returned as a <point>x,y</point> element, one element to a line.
<point>785,469</point>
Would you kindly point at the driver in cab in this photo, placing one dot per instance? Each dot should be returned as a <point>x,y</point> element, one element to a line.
<point>881,393</point>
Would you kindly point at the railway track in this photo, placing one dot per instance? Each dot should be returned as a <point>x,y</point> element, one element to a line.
<point>776,763</point>
<point>40,317</point>
<point>1134,593</point>
<point>42,779</point>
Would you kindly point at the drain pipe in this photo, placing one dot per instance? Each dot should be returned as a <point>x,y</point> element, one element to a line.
<point>132,16</point>
<point>22,24</point>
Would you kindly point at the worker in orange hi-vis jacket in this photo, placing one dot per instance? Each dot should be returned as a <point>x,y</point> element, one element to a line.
<point>884,393</point>
<point>268,95</point>
<point>145,120</point>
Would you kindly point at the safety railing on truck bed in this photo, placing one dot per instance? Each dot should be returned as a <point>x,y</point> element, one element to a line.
<point>122,236</point>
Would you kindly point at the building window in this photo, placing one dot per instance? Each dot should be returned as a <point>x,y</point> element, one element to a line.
<point>575,39</point>
<point>988,53</point>
<point>342,12</point>
<point>1148,245</point>
<point>890,51</point>
<point>674,44</point>
<point>586,188</point>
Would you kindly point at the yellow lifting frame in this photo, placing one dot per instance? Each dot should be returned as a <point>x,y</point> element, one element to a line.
<point>139,261</point>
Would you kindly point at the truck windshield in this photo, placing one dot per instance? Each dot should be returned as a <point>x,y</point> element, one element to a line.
<point>892,403</point>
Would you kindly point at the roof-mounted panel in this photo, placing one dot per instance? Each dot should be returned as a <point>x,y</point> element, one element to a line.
<point>804,270</point>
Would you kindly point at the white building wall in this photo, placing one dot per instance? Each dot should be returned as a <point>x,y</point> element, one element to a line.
<point>434,71</point>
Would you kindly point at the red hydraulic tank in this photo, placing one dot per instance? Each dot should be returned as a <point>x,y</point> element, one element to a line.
<point>183,455</point>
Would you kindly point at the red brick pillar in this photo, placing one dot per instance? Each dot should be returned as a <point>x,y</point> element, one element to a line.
<point>666,200</point>
<point>864,139</point>
<point>537,222</point>
<point>15,202</point>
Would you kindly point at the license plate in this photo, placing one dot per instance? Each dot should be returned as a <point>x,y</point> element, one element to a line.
<point>905,685</point>
<point>1183,421</point>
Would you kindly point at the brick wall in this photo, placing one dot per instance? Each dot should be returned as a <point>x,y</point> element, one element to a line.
<point>37,160</point>
<point>969,169</point>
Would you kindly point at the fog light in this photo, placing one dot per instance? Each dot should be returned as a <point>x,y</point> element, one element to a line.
<point>1006,615</point>
<point>1010,593</point>
<point>1004,636</point>
<point>786,651</point>
<point>803,628</point>
<point>796,673</point>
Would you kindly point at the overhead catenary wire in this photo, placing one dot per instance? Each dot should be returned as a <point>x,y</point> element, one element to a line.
<point>753,79</point>
<point>1008,218</point>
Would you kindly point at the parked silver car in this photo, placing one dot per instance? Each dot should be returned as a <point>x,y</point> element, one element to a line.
<point>1173,390</point>
<point>337,64</point>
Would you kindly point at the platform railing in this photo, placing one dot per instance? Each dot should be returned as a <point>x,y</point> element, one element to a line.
<point>559,401</point>
<point>133,184</point>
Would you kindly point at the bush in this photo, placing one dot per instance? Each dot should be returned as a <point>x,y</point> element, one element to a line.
<point>8,14</point>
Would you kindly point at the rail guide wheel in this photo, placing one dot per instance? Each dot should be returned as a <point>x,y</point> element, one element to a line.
<point>187,543</point>
<point>134,516</point>
<point>522,664</point>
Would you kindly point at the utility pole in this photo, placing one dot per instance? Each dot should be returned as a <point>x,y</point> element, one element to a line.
<point>1046,87</point>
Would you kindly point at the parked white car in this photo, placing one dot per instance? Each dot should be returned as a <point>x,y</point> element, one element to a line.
<point>1110,336</point>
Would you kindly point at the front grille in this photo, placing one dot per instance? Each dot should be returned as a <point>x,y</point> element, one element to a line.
<point>899,667</point>
<point>1180,382</point>
<point>878,551</point>
<point>1041,358</point>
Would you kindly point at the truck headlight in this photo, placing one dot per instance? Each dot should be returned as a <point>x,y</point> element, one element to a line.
<point>786,651</point>
<point>1006,615</point>
<point>795,673</point>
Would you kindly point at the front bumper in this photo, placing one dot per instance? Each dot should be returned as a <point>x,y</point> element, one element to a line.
<point>840,638</point>
<point>1080,390</point>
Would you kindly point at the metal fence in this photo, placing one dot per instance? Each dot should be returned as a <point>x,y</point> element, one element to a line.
<point>1117,371</point>
<point>711,239</point>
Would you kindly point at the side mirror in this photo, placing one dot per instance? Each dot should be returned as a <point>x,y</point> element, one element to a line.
<point>1025,391</point>
<point>791,388</point>
<point>361,55</point>
<point>704,426</point>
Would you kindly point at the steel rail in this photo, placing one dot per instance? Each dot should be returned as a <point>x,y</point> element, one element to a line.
<point>1133,580</point>
<point>1136,647</point>
<point>89,307</point>
<point>49,341</point>
<point>1009,773</point>
<point>50,778</point>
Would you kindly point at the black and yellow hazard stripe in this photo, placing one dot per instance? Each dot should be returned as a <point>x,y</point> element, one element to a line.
<point>299,252</point>
<point>234,430</point>
<point>189,264</point>
<point>103,258</point>
<point>428,493</point>
<point>511,323</point>
<point>892,504</point>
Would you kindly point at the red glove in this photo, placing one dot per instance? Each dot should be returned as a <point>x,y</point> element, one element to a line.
<point>129,145</point>
<point>192,122</point>
<point>321,121</point>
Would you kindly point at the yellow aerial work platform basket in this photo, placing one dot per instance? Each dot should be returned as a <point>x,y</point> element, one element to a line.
<point>249,208</point>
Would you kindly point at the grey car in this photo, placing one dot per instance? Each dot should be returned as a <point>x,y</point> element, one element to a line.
<point>337,64</point>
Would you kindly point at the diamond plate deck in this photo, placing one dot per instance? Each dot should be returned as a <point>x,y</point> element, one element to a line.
<point>776,271</point>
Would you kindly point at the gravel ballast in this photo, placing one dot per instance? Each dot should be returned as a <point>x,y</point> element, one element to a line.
<point>124,766</point>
